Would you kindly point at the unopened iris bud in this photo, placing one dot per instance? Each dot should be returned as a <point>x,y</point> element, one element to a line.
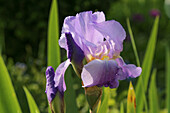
<point>55,87</point>
<point>50,89</point>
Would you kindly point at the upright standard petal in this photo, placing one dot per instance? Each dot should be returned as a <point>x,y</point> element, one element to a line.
<point>59,76</point>
<point>101,73</point>
<point>81,27</point>
<point>50,89</point>
<point>130,69</point>
<point>112,30</point>
<point>75,54</point>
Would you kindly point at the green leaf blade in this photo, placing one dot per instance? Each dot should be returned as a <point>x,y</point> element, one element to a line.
<point>137,57</point>
<point>121,108</point>
<point>8,98</point>
<point>153,97</point>
<point>53,36</point>
<point>133,42</point>
<point>104,104</point>
<point>31,102</point>
<point>70,95</point>
<point>146,67</point>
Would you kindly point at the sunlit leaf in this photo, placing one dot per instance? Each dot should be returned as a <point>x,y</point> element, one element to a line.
<point>31,102</point>
<point>121,108</point>
<point>153,97</point>
<point>133,42</point>
<point>53,36</point>
<point>131,100</point>
<point>137,58</point>
<point>146,67</point>
<point>49,110</point>
<point>8,99</point>
<point>104,104</point>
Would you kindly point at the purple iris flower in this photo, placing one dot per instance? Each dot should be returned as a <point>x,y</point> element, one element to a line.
<point>55,81</point>
<point>101,42</point>
<point>87,35</point>
<point>154,13</point>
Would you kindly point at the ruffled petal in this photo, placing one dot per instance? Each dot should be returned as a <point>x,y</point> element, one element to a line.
<point>129,69</point>
<point>81,27</point>
<point>50,89</point>
<point>101,73</point>
<point>112,30</point>
<point>59,76</point>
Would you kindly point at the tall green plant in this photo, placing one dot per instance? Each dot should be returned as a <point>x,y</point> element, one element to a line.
<point>146,66</point>
<point>137,59</point>
<point>31,102</point>
<point>153,97</point>
<point>104,105</point>
<point>69,95</point>
<point>53,36</point>
<point>121,108</point>
<point>133,42</point>
<point>8,98</point>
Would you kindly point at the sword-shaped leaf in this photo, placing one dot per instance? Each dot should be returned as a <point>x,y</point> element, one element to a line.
<point>31,102</point>
<point>146,68</point>
<point>121,108</point>
<point>153,97</point>
<point>8,98</point>
<point>104,103</point>
<point>53,36</point>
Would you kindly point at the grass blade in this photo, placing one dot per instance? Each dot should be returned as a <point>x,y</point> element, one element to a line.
<point>133,42</point>
<point>121,108</point>
<point>131,100</point>
<point>146,66</point>
<point>53,36</point>
<point>104,104</point>
<point>8,98</point>
<point>153,97</point>
<point>31,102</point>
<point>168,77</point>
<point>69,95</point>
<point>137,58</point>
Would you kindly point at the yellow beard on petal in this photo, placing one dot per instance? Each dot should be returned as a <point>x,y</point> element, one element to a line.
<point>105,58</point>
<point>89,57</point>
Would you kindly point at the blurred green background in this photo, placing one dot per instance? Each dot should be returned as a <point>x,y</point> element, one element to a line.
<point>23,34</point>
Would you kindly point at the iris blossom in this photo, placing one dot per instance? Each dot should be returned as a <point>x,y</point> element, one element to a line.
<point>88,36</point>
